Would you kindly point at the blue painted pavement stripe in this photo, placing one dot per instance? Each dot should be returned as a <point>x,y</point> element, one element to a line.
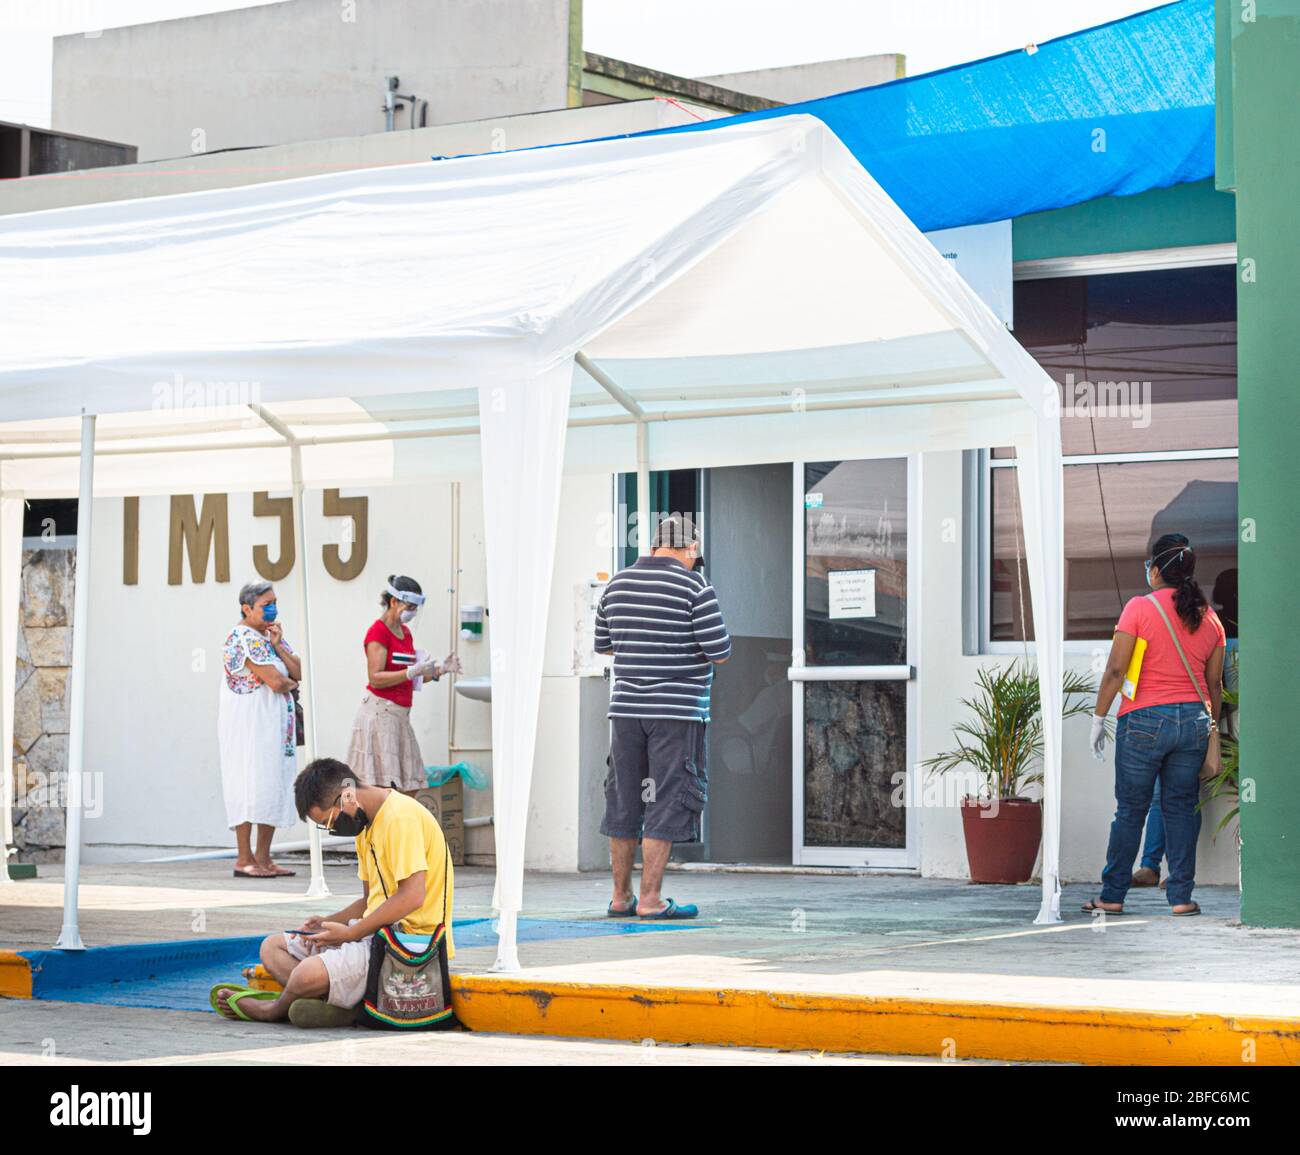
<point>178,975</point>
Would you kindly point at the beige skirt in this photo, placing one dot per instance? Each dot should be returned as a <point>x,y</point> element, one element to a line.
<point>383,750</point>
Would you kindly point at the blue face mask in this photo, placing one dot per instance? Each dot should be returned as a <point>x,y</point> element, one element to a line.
<point>270,612</point>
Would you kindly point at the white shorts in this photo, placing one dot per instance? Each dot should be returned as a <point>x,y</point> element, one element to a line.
<point>347,965</point>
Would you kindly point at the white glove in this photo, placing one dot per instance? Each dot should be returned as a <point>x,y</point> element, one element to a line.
<point>1097,737</point>
<point>420,670</point>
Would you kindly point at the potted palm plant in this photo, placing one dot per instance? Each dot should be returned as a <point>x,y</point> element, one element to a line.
<point>1002,742</point>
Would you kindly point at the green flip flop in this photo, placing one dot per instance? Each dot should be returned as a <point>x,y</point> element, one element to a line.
<point>312,1013</point>
<point>212,994</point>
<point>239,996</point>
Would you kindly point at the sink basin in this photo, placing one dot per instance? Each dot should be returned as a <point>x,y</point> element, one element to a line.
<point>479,689</point>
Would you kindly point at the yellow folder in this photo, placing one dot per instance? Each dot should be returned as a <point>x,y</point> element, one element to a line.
<point>1130,687</point>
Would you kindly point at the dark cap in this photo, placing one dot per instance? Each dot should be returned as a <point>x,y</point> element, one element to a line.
<point>676,532</point>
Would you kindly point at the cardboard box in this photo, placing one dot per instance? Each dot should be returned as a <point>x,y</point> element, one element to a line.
<point>447,804</point>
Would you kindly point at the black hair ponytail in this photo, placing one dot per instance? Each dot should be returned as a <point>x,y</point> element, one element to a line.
<point>1174,557</point>
<point>402,583</point>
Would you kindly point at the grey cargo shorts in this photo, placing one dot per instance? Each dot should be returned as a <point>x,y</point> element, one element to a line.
<point>658,782</point>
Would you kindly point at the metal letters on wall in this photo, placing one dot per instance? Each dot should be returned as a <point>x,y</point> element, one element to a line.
<point>204,531</point>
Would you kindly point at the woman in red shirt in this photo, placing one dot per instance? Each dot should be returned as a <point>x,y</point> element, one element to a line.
<point>1163,730</point>
<point>383,750</point>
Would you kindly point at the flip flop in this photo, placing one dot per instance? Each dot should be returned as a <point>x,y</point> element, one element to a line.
<point>238,997</point>
<point>212,994</point>
<point>672,911</point>
<point>318,1013</point>
<point>1091,907</point>
<point>610,912</point>
<point>247,872</point>
<point>281,872</point>
<point>1196,909</point>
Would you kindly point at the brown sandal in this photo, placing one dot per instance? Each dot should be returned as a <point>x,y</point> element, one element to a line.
<point>1093,905</point>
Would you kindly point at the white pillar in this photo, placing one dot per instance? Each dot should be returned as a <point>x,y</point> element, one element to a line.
<point>317,888</point>
<point>70,935</point>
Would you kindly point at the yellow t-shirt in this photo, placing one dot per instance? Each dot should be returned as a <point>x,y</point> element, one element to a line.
<point>406,839</point>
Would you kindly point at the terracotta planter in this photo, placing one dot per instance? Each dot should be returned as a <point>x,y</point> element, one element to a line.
<point>1002,844</point>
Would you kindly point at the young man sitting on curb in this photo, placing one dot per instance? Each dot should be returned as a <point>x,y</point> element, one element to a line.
<point>400,847</point>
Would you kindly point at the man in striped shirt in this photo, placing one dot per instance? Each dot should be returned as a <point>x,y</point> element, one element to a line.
<point>661,620</point>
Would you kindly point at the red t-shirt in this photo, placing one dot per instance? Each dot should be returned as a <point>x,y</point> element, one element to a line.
<point>1163,681</point>
<point>400,694</point>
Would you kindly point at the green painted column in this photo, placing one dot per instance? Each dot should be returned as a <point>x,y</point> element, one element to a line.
<point>1265,46</point>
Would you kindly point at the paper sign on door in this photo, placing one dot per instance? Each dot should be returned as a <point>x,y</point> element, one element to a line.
<point>852,593</point>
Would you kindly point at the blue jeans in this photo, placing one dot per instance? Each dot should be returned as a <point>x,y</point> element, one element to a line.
<point>1165,746</point>
<point>1153,849</point>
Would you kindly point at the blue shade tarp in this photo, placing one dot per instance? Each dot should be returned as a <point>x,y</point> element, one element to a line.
<point>1109,111</point>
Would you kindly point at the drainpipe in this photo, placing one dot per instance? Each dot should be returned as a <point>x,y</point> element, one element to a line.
<point>390,101</point>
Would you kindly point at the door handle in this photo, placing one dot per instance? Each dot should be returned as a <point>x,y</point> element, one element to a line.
<point>851,673</point>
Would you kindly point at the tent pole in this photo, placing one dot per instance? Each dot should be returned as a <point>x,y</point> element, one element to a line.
<point>70,935</point>
<point>317,888</point>
<point>644,525</point>
<point>11,564</point>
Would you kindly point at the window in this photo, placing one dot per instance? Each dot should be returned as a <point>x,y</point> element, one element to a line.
<point>1146,366</point>
<point>671,491</point>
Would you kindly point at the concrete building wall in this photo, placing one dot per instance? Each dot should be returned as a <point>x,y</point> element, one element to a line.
<point>810,81</point>
<point>238,79</point>
<point>310,158</point>
<point>152,736</point>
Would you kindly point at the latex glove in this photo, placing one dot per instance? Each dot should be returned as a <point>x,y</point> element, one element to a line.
<point>1097,737</point>
<point>420,670</point>
<point>451,665</point>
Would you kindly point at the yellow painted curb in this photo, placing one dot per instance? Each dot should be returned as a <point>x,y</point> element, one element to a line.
<point>935,1027</point>
<point>15,975</point>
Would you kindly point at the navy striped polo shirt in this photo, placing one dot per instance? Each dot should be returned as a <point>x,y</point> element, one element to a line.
<point>664,627</point>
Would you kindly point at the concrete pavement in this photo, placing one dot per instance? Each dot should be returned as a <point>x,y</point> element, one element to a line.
<point>913,943</point>
<point>41,1032</point>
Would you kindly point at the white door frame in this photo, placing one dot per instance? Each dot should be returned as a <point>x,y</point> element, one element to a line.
<point>909,856</point>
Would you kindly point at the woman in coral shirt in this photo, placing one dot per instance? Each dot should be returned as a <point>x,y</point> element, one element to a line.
<point>1163,731</point>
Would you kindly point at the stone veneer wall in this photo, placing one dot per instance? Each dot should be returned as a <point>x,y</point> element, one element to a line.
<point>40,754</point>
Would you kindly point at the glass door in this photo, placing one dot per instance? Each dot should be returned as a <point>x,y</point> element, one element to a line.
<point>853,671</point>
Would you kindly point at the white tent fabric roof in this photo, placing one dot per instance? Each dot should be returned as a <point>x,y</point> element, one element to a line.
<point>753,278</point>
<point>763,238</point>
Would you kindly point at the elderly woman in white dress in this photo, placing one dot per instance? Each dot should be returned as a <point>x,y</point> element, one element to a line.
<point>256,730</point>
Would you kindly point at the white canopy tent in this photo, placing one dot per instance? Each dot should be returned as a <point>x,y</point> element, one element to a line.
<point>683,299</point>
